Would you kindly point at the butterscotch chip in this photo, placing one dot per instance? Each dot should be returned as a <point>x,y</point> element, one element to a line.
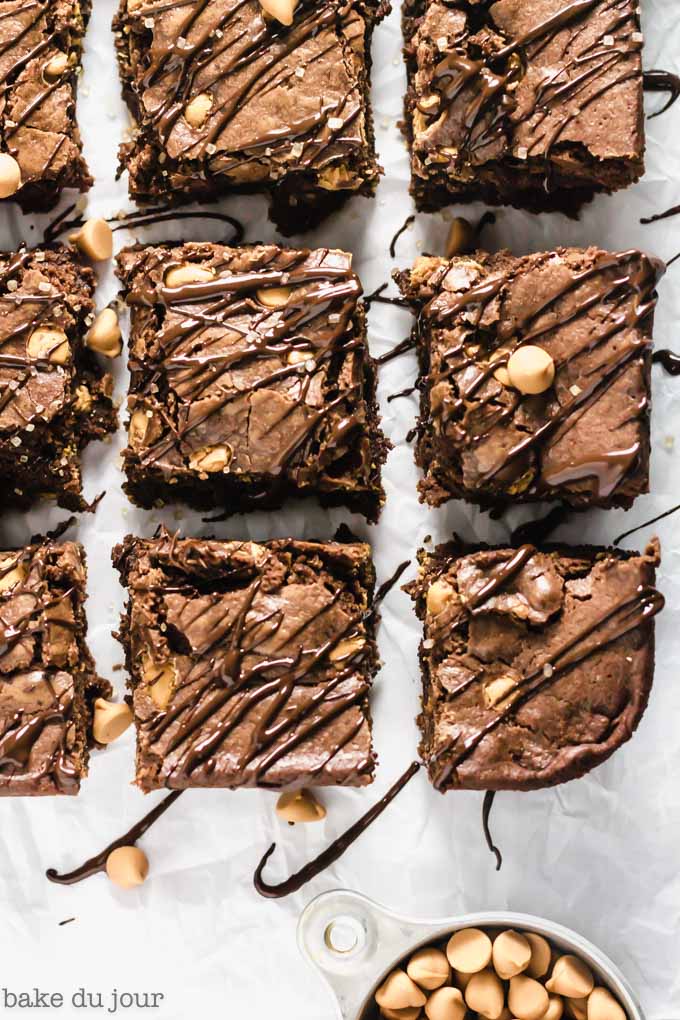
<point>439,595</point>
<point>541,955</point>
<point>555,1008</point>
<point>94,239</point>
<point>511,951</point>
<point>10,175</point>
<point>300,806</point>
<point>189,272</point>
<point>110,720</point>
<point>138,428</point>
<point>55,67</point>
<point>161,678</point>
<point>484,994</point>
<point>12,573</point>
<point>127,866</point>
<point>273,297</point>
<point>469,950</point>
<point>346,648</point>
<point>429,968</point>
<point>196,112</point>
<point>603,1006</point>
<point>571,978</point>
<point>531,369</point>
<point>445,1004</point>
<point>296,357</point>
<point>527,998</point>
<point>211,459</point>
<point>577,1008</point>
<point>47,343</point>
<point>398,991</point>
<point>280,10</point>
<point>410,1013</point>
<point>104,335</point>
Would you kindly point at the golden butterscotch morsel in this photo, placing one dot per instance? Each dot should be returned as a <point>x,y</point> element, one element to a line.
<point>161,678</point>
<point>555,1008</point>
<point>48,343</point>
<point>410,1013</point>
<point>346,648</point>
<point>469,950</point>
<point>211,459</point>
<point>460,238</point>
<point>429,968</point>
<point>577,1009</point>
<point>197,109</point>
<point>104,334</point>
<point>531,369</point>
<point>135,5</point>
<point>280,10</point>
<point>10,175</point>
<point>485,994</point>
<point>541,955</point>
<point>82,400</point>
<point>497,694</point>
<point>127,866</point>
<point>298,357</point>
<point>300,806</point>
<point>511,951</point>
<point>603,1006</point>
<point>527,998</point>
<point>12,572</point>
<point>138,428</point>
<point>398,991</point>
<point>55,67</point>
<point>439,595</point>
<point>94,239</point>
<point>188,272</point>
<point>445,1004</point>
<point>571,978</point>
<point>110,720</point>
<point>273,297</point>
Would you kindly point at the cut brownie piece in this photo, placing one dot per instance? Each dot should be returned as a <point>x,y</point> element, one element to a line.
<point>227,99</point>
<point>584,439</point>
<point>537,663</point>
<point>47,676</point>
<point>54,398</point>
<point>531,103</point>
<point>40,52</point>
<point>250,663</point>
<point>250,379</point>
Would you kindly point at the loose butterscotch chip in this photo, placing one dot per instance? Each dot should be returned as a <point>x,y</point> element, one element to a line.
<point>47,343</point>
<point>300,806</point>
<point>110,720</point>
<point>188,272</point>
<point>445,1004</point>
<point>511,951</point>
<point>577,1008</point>
<point>196,112</point>
<point>469,950</point>
<point>398,991</point>
<point>127,866</point>
<point>94,239</point>
<point>555,1008</point>
<point>10,175</point>
<point>540,955</point>
<point>527,998</point>
<point>273,297</point>
<point>104,335</point>
<point>429,968</point>
<point>280,10</point>
<point>603,1006</point>
<point>484,994</point>
<point>571,978</point>
<point>211,459</point>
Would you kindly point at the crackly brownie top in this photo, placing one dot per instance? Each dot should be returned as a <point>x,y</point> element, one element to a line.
<point>529,80</point>
<point>587,434</point>
<point>251,662</point>
<point>217,87</point>
<point>258,370</point>
<point>41,736</point>
<point>37,94</point>
<point>537,663</point>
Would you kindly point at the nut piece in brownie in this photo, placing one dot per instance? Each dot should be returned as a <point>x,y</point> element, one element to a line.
<point>535,375</point>
<point>54,398</point>
<point>40,52</point>
<point>226,98</point>
<point>537,663</point>
<point>532,103</point>
<point>250,379</point>
<point>48,680</point>
<point>250,663</point>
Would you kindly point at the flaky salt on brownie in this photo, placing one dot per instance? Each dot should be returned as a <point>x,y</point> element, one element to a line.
<point>532,103</point>
<point>54,397</point>
<point>228,98</point>
<point>40,148</point>
<point>537,663</point>
<point>250,379</point>
<point>534,375</point>
<point>48,680</point>
<point>250,663</point>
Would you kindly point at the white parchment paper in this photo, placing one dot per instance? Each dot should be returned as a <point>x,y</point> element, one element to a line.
<point>599,854</point>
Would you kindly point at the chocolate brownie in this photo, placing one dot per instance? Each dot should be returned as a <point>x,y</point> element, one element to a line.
<point>585,438</point>
<point>251,382</point>
<point>537,663</point>
<point>226,98</point>
<point>54,398</point>
<point>532,103</point>
<point>250,663</point>
<point>48,680</point>
<point>40,53</point>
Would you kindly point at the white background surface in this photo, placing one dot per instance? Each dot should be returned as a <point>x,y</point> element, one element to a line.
<point>599,854</point>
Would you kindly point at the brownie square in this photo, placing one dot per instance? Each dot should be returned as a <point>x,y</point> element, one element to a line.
<point>585,439</point>
<point>250,663</point>
<point>252,383</point>
<point>54,398</point>
<point>532,103</point>
<point>40,53</point>
<point>226,98</point>
<point>537,663</point>
<point>48,680</point>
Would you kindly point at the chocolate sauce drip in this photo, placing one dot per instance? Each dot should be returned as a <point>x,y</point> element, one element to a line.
<point>409,344</point>
<point>662,81</point>
<point>402,393</point>
<point>143,218</point>
<point>646,524</point>
<point>97,864</point>
<point>537,531</point>
<point>402,229</point>
<point>68,920</point>
<point>669,361</point>
<point>387,586</point>
<point>489,798</point>
<point>673,211</point>
<point>337,848</point>
<point>377,297</point>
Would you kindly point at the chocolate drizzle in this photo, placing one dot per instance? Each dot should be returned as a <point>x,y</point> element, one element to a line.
<point>143,218</point>
<point>489,798</point>
<point>673,211</point>
<point>537,531</point>
<point>97,864</point>
<point>646,524</point>
<point>334,851</point>
<point>387,586</point>
<point>662,81</point>
<point>403,347</point>
<point>669,361</point>
<point>402,229</point>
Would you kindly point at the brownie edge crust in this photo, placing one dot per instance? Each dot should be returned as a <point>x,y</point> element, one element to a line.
<point>250,663</point>
<point>537,663</point>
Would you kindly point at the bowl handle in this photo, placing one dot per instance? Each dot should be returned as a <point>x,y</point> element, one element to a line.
<point>351,941</point>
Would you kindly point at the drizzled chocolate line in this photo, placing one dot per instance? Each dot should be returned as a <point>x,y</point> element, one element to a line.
<point>669,361</point>
<point>662,81</point>
<point>143,218</point>
<point>97,864</point>
<point>489,798</point>
<point>402,393</point>
<point>646,524</point>
<point>409,344</point>
<point>378,297</point>
<point>387,586</point>
<point>673,211</point>
<point>402,229</point>
<point>336,849</point>
<point>537,531</point>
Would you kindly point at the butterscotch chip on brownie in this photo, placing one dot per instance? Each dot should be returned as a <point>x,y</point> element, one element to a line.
<point>250,663</point>
<point>534,375</point>
<point>537,663</point>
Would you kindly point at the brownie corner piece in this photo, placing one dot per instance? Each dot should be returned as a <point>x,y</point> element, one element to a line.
<point>535,104</point>
<point>250,379</point>
<point>54,397</point>
<point>41,48</point>
<point>47,676</point>
<point>585,438</point>
<point>537,663</point>
<point>250,663</point>
<point>249,104</point>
